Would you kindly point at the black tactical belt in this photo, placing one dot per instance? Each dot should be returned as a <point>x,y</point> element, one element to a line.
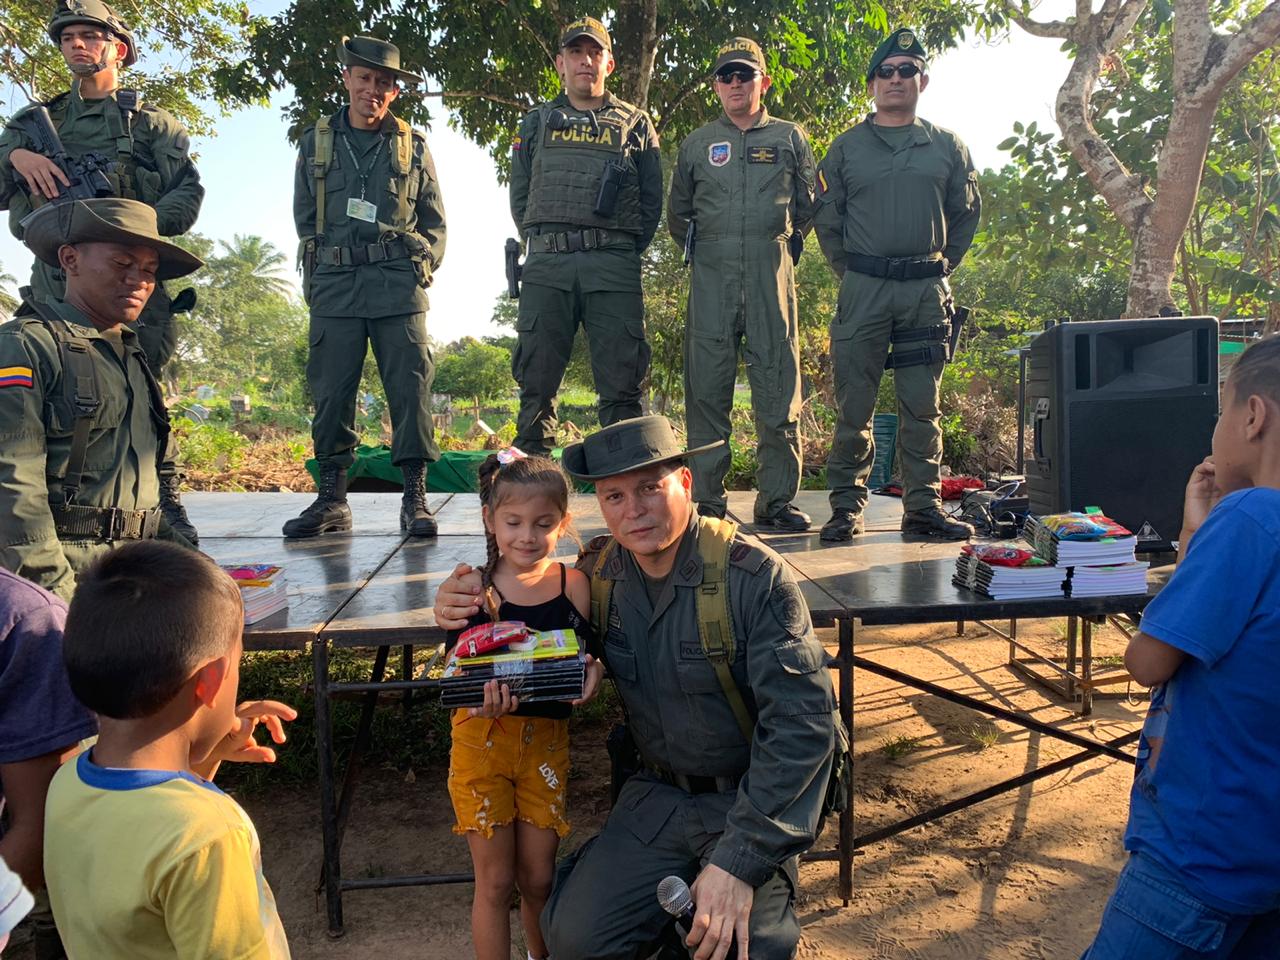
<point>104,523</point>
<point>575,241</point>
<point>357,256</point>
<point>695,784</point>
<point>897,268</point>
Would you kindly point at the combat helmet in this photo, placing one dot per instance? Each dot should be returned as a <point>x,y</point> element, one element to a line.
<point>94,12</point>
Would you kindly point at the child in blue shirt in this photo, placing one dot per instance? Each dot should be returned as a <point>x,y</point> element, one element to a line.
<point>1203,876</point>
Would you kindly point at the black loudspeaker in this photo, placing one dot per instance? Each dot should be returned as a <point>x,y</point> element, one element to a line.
<point>1121,411</point>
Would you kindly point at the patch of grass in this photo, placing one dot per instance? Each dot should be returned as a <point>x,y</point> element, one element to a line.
<point>1109,662</point>
<point>984,735</point>
<point>897,747</point>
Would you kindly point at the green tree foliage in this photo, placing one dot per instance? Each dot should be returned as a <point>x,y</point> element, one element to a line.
<point>179,44</point>
<point>1043,208</point>
<point>8,303</point>
<point>474,370</point>
<point>248,329</point>
<point>493,59</point>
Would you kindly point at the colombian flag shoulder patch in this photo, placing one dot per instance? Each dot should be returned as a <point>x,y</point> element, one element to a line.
<point>15,377</point>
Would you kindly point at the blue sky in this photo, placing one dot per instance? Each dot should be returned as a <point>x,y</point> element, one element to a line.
<point>247,169</point>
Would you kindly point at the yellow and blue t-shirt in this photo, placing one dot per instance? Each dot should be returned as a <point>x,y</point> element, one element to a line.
<point>150,864</point>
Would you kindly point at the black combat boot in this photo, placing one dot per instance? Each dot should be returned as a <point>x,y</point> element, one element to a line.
<point>329,512</point>
<point>415,518</point>
<point>843,525</point>
<point>932,522</point>
<point>710,510</point>
<point>788,518</point>
<point>171,508</point>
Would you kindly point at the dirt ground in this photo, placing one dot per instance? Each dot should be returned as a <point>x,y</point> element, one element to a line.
<point>1020,877</point>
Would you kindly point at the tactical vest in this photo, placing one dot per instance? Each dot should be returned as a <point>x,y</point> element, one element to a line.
<point>715,633</point>
<point>568,165</point>
<point>401,166</point>
<point>124,173</point>
<point>80,393</point>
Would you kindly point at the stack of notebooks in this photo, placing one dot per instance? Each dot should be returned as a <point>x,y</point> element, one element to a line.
<point>1007,571</point>
<point>262,588</point>
<point>547,665</point>
<point>1065,554</point>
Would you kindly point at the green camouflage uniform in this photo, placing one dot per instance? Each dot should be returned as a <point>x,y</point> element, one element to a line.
<point>555,181</point>
<point>151,151</point>
<point>128,432</point>
<point>897,192</point>
<point>368,284</point>
<point>749,192</point>
<point>603,903</point>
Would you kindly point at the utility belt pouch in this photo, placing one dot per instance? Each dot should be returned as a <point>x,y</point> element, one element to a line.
<point>307,265</point>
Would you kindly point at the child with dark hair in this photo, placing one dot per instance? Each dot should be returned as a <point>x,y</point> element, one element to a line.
<point>1203,876</point>
<point>145,858</point>
<point>507,775</point>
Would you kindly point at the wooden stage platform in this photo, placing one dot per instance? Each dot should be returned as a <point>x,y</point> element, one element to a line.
<point>374,588</point>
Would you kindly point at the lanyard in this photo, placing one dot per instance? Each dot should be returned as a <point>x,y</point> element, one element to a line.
<point>355,164</point>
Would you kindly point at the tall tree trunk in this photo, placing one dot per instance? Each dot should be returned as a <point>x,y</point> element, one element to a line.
<point>635,44</point>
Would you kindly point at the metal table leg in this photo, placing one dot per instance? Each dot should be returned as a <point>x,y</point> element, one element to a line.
<point>1073,625</point>
<point>406,673</point>
<point>846,629</point>
<point>1086,666</point>
<point>328,806</point>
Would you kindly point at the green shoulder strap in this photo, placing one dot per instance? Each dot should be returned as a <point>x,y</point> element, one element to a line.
<point>80,384</point>
<point>601,590</point>
<point>320,167</point>
<point>715,620</point>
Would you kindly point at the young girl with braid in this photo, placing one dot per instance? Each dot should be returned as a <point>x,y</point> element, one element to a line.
<point>509,764</point>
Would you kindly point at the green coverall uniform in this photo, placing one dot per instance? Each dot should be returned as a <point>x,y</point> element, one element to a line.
<point>748,192</point>
<point>891,192</point>
<point>151,153</point>
<point>764,798</point>
<point>128,432</point>
<point>580,267</point>
<point>366,282</point>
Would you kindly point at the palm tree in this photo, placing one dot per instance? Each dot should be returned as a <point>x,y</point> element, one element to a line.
<point>257,264</point>
<point>8,303</point>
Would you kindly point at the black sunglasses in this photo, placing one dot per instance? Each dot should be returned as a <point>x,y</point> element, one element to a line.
<point>742,75</point>
<point>905,70</point>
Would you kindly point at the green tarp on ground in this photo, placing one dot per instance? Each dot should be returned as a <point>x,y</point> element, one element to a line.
<point>454,472</point>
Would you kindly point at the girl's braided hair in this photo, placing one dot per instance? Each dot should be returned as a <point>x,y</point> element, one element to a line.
<point>503,476</point>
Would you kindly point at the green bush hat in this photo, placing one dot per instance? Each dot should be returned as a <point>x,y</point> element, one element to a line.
<point>900,43</point>
<point>97,14</point>
<point>625,446</point>
<point>375,53</point>
<point>586,27</point>
<point>104,220</point>
<point>741,50</point>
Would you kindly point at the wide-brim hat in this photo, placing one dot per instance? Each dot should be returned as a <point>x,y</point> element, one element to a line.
<point>104,220</point>
<point>625,446</point>
<point>741,50</point>
<point>375,53</point>
<point>903,42</point>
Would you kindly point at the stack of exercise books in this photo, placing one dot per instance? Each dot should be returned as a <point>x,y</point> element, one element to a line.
<point>544,665</point>
<point>1007,571</point>
<point>262,588</point>
<point>1098,550</point>
<point>1080,539</point>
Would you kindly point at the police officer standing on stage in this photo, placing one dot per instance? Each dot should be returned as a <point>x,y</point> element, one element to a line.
<point>82,421</point>
<point>898,210</point>
<point>586,192</point>
<point>366,202</point>
<point>147,150</point>
<point>741,201</point>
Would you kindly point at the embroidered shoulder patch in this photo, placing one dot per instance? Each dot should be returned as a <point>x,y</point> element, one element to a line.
<point>15,377</point>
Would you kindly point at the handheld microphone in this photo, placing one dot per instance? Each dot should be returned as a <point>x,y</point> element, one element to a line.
<point>675,898</point>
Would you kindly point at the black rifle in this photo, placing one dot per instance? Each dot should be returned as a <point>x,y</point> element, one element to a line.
<point>514,268</point>
<point>88,174</point>
<point>690,239</point>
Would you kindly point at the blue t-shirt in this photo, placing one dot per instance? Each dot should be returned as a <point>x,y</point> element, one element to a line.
<point>1206,795</point>
<point>38,712</point>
